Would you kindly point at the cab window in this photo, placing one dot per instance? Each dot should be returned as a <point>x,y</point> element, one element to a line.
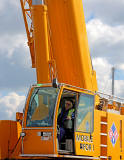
<point>41,107</point>
<point>85,113</point>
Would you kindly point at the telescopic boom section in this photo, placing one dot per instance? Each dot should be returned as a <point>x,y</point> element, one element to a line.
<point>60,43</point>
<point>38,38</point>
<point>70,43</point>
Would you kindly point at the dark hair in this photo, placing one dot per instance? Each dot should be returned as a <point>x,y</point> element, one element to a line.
<point>70,101</point>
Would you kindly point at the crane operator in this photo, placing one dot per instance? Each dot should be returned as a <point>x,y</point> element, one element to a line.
<point>67,115</point>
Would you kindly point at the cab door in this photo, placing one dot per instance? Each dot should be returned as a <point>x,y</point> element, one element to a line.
<point>39,129</point>
<point>66,144</point>
<point>84,125</point>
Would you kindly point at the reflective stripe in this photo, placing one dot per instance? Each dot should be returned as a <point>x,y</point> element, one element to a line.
<point>70,112</point>
<point>60,109</point>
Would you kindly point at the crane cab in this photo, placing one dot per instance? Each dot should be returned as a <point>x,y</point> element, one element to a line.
<point>43,127</point>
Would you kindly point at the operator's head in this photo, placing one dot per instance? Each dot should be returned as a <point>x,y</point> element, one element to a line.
<point>68,104</point>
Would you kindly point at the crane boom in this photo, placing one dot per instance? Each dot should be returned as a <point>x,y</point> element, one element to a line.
<point>65,39</point>
<point>70,43</point>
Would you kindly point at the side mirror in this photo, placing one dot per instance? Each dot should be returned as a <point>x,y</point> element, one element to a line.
<point>19,116</point>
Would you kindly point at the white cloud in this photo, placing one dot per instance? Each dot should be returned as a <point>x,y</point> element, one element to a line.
<point>98,31</point>
<point>110,11</point>
<point>106,41</point>
<point>104,77</point>
<point>119,88</point>
<point>10,104</point>
<point>103,72</point>
<point>5,3</point>
<point>121,66</point>
<point>10,42</point>
<point>14,44</point>
<point>107,46</point>
<point>15,3</point>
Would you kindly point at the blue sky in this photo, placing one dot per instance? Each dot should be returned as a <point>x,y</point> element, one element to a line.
<point>105,28</point>
<point>119,74</point>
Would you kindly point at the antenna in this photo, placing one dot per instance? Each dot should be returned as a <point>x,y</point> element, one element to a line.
<point>113,77</point>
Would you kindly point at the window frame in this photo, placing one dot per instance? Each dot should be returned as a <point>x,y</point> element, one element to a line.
<point>32,97</point>
<point>76,117</point>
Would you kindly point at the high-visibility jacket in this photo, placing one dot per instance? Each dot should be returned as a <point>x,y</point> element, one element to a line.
<point>65,114</point>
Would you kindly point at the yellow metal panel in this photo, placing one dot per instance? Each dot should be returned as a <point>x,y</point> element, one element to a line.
<point>123,137</point>
<point>96,133</point>
<point>34,143</point>
<point>8,137</point>
<point>17,146</point>
<point>39,18</point>
<point>70,44</point>
<point>84,144</point>
<point>114,149</point>
<point>4,137</point>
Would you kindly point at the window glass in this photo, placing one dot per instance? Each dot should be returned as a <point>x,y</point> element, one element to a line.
<point>85,112</point>
<point>36,2</point>
<point>41,107</point>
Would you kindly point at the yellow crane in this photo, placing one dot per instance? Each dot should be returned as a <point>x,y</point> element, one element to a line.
<point>58,44</point>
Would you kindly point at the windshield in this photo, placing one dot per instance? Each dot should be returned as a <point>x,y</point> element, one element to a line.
<point>41,107</point>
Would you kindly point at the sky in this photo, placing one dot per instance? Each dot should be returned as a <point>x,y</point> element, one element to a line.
<point>105,29</point>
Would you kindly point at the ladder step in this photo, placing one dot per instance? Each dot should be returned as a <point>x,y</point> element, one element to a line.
<point>103,145</point>
<point>103,134</point>
<point>105,123</point>
<point>104,157</point>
